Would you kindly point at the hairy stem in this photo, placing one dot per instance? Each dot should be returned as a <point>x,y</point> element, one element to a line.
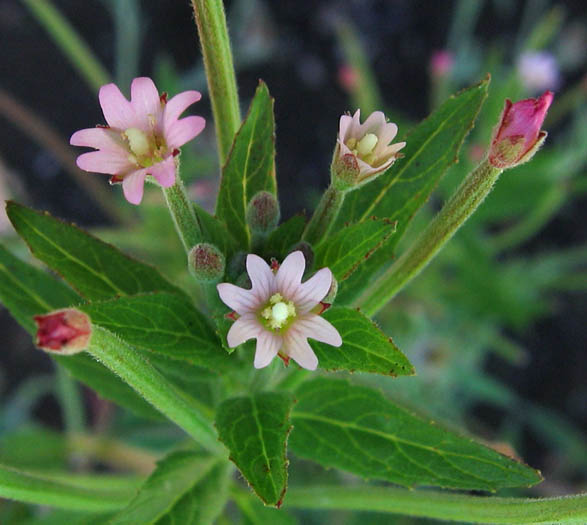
<point>324,216</point>
<point>468,196</point>
<point>441,505</point>
<point>213,33</point>
<point>183,214</point>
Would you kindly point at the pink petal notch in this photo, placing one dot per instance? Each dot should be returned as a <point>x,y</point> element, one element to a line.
<point>143,136</point>
<point>279,311</point>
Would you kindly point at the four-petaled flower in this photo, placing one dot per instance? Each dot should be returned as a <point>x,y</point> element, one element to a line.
<point>363,150</point>
<point>279,311</point>
<point>142,137</point>
<point>518,135</point>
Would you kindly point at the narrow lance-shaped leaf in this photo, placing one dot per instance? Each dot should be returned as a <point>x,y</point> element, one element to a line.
<point>365,348</point>
<point>167,495</point>
<point>250,167</point>
<point>255,429</point>
<point>351,246</point>
<point>432,147</point>
<point>355,428</point>
<point>97,270</point>
<point>27,291</point>
<point>163,323</point>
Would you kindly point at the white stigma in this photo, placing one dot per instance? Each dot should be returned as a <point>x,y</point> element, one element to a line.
<point>279,312</point>
<point>367,144</point>
<point>138,142</point>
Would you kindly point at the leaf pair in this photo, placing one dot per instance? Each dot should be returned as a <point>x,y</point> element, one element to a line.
<point>354,428</point>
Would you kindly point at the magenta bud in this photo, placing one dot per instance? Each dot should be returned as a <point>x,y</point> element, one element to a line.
<point>206,263</point>
<point>518,135</point>
<point>263,212</point>
<point>63,332</point>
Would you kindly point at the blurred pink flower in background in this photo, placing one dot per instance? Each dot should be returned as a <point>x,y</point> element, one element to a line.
<point>538,71</point>
<point>441,63</point>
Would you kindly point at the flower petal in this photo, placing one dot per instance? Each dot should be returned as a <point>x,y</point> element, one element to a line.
<point>289,275</point>
<point>164,172</point>
<point>268,344</point>
<point>118,111</point>
<point>184,130</point>
<point>297,347</point>
<point>97,138</point>
<point>133,186</point>
<point>240,300</point>
<point>144,99</point>
<point>243,329</point>
<point>310,293</point>
<point>318,328</point>
<point>103,161</point>
<point>176,106</point>
<point>261,276</point>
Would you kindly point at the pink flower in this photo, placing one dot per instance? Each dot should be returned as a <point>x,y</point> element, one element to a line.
<point>441,63</point>
<point>518,135</point>
<point>64,332</point>
<point>363,150</point>
<point>538,70</point>
<point>142,137</point>
<point>279,311</point>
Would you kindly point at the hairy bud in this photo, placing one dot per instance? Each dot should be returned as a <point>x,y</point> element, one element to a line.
<point>63,332</point>
<point>206,263</point>
<point>263,212</point>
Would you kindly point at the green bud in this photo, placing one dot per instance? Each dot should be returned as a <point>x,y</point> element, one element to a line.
<point>263,212</point>
<point>331,295</point>
<point>206,263</point>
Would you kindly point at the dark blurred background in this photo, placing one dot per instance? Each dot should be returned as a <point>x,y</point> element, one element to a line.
<point>296,48</point>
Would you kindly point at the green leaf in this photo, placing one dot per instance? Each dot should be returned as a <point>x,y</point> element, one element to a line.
<point>166,495</point>
<point>147,381</point>
<point>285,236</point>
<point>205,502</point>
<point>163,323</point>
<point>250,167</point>
<point>255,513</point>
<point>355,428</point>
<point>27,291</point>
<point>215,232</point>
<point>108,385</point>
<point>365,348</point>
<point>255,429</point>
<point>97,270</point>
<point>46,490</point>
<point>432,147</point>
<point>352,245</point>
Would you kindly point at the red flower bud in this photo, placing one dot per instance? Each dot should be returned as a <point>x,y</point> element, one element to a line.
<point>64,332</point>
<point>518,135</point>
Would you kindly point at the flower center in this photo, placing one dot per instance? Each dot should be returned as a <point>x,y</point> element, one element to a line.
<point>278,312</point>
<point>364,148</point>
<point>145,150</point>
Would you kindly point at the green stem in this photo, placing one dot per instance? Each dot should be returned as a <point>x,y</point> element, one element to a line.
<point>71,44</point>
<point>441,505</point>
<point>469,195</point>
<point>70,401</point>
<point>112,452</point>
<point>324,216</point>
<point>46,490</point>
<point>183,214</point>
<point>213,33</point>
<point>153,387</point>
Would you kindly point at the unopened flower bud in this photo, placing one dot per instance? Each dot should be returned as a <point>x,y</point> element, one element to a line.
<point>518,136</point>
<point>63,332</point>
<point>206,263</point>
<point>263,212</point>
<point>363,151</point>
